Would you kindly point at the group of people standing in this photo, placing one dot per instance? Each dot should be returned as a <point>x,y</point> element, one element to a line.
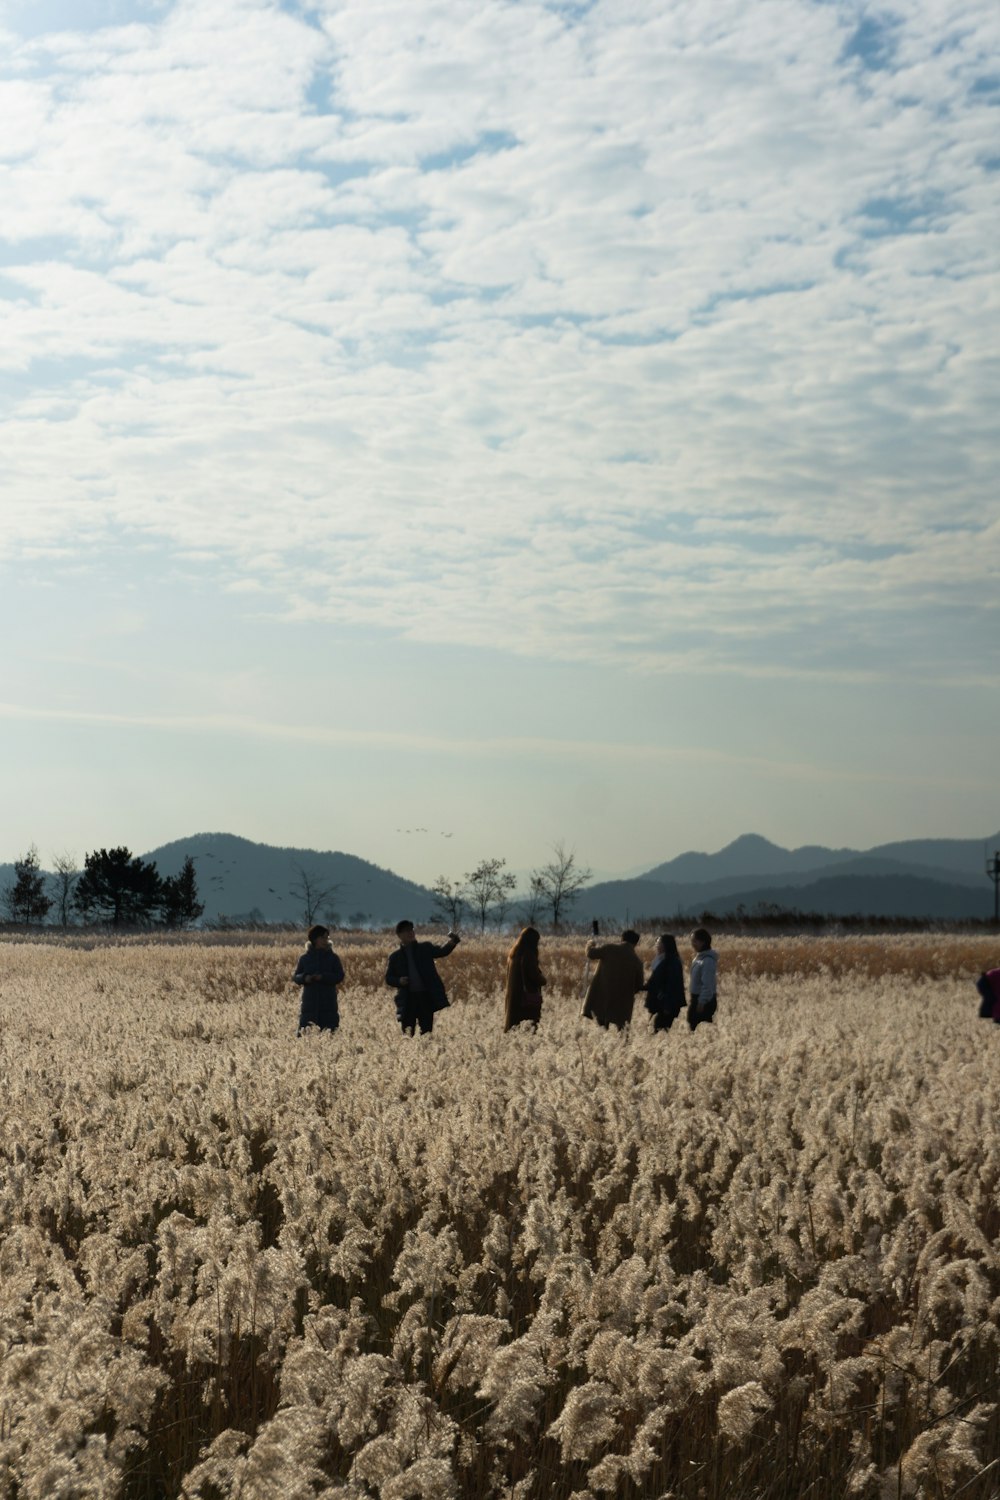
<point>610,1000</point>
<point>619,977</point>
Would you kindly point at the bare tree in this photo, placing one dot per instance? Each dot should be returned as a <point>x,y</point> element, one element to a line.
<point>64,882</point>
<point>314,895</point>
<point>504,900</point>
<point>449,900</point>
<point>560,882</point>
<point>488,885</point>
<point>534,902</point>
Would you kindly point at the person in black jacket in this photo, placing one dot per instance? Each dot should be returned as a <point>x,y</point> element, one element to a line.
<point>418,985</point>
<point>319,972</point>
<point>665,996</point>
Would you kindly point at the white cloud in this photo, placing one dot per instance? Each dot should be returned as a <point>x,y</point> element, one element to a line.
<point>653,334</point>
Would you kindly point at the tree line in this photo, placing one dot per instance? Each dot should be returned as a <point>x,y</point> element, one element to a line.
<point>114,888</point>
<point>487,892</point>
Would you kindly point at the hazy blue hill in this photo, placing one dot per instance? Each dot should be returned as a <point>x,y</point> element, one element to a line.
<point>747,855</point>
<point>618,901</point>
<point>898,894</point>
<point>916,878</point>
<point>754,856</point>
<point>237,877</point>
<point>879,896</point>
<point>960,856</point>
<point>862,865</point>
<point>867,884</point>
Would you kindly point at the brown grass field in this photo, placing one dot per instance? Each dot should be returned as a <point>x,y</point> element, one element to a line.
<point>760,1262</point>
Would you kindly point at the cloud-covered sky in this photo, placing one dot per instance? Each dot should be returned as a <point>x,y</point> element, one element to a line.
<point>579,417</point>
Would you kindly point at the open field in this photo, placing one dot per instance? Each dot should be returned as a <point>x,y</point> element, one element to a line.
<point>761,1262</point>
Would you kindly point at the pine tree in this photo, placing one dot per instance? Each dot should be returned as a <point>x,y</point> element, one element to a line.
<point>25,901</point>
<point>179,904</point>
<point>115,887</point>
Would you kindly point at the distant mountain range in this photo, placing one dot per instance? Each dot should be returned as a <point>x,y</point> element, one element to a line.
<point>920,879</point>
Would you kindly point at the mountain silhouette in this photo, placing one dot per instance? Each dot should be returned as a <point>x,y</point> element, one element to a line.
<point>241,880</point>
<point>922,879</point>
<point>918,878</point>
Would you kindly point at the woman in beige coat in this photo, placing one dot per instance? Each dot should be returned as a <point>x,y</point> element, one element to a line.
<point>618,980</point>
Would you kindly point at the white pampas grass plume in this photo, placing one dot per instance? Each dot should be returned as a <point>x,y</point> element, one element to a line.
<point>740,1408</point>
<point>587,1420</point>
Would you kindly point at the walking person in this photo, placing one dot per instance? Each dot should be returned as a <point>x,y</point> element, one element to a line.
<point>703,981</point>
<point>618,979</point>
<point>411,971</point>
<point>665,995</point>
<point>524,981</point>
<point>319,972</point>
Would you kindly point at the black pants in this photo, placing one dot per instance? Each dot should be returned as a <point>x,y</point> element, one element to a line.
<point>414,1011</point>
<point>701,1012</point>
<point>319,1010</point>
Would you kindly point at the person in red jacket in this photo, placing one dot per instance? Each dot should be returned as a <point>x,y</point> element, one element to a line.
<point>988,985</point>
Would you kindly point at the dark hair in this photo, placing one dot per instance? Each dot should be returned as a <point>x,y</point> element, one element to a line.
<point>669,943</point>
<point>317,932</point>
<point>630,937</point>
<point>703,935</point>
<point>528,937</point>
<point>403,926</point>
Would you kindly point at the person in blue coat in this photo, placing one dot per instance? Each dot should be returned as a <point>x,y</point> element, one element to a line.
<point>411,972</point>
<point>319,972</point>
<point>665,994</point>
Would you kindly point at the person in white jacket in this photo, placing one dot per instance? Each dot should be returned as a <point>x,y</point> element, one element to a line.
<point>703,981</point>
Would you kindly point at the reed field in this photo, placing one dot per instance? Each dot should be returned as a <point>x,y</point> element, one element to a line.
<point>756,1262</point>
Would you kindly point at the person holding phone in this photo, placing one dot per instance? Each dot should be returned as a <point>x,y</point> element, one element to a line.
<point>618,979</point>
<point>412,973</point>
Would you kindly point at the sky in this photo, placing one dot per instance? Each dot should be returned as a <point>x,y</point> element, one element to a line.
<point>528,422</point>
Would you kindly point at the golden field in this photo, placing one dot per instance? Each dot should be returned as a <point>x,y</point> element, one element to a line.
<point>760,1262</point>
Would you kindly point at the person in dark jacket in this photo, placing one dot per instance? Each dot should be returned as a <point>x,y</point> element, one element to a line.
<point>665,994</point>
<point>411,972</point>
<point>319,972</point>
